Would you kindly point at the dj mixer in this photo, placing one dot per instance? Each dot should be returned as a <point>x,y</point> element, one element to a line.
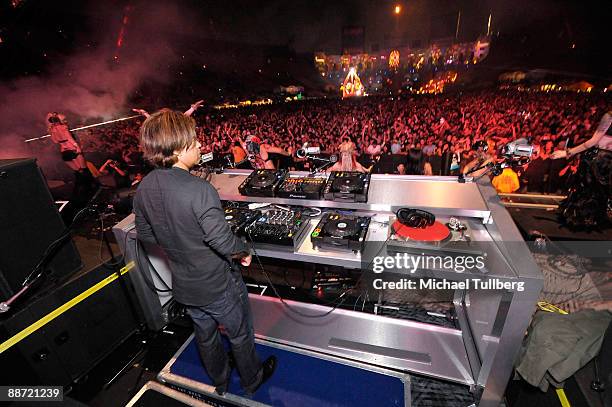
<point>239,217</point>
<point>277,227</point>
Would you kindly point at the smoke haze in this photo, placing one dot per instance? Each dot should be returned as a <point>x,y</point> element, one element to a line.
<point>92,83</point>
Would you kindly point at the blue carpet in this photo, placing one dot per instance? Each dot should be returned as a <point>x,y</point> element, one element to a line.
<point>305,381</point>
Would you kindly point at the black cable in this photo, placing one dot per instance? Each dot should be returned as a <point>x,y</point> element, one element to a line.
<point>51,248</point>
<point>326,303</point>
<point>365,298</point>
<point>152,267</point>
<point>290,308</point>
<point>311,212</point>
<point>147,282</point>
<point>138,380</point>
<point>554,269</point>
<point>109,263</point>
<point>54,245</point>
<point>101,235</point>
<point>573,294</point>
<point>357,301</point>
<point>285,277</point>
<point>343,294</point>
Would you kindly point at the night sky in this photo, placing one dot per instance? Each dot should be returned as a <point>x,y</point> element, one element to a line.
<point>36,33</point>
<point>96,60</point>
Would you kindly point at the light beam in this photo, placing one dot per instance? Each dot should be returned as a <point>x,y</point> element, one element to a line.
<point>87,127</point>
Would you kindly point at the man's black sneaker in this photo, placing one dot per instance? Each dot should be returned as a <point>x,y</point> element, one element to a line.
<point>268,366</point>
<point>222,388</point>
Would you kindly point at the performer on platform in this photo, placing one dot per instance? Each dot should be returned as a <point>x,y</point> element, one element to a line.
<point>187,112</point>
<point>589,201</point>
<point>258,152</point>
<point>183,214</point>
<point>347,160</point>
<point>69,148</point>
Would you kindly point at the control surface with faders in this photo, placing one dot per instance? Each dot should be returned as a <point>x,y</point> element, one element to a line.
<point>302,187</point>
<point>238,218</point>
<point>277,227</point>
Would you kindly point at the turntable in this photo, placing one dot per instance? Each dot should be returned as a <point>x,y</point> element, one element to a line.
<point>452,237</point>
<point>347,186</point>
<point>301,187</point>
<point>344,232</point>
<point>262,183</point>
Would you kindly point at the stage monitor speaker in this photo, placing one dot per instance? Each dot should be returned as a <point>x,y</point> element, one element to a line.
<point>29,223</point>
<point>73,342</point>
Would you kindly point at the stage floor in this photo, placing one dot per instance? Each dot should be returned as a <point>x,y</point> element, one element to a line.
<point>302,378</point>
<point>545,222</point>
<point>570,282</point>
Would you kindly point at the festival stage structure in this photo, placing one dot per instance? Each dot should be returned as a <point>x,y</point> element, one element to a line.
<point>352,85</point>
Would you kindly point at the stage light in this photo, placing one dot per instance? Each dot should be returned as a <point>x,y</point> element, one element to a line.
<point>397,9</point>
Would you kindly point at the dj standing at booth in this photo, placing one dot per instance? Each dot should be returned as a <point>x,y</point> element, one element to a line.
<point>183,214</point>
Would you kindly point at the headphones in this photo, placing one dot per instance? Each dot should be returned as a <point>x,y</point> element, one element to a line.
<point>415,218</point>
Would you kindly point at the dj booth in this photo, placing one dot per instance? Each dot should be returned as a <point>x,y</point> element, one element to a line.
<point>343,222</point>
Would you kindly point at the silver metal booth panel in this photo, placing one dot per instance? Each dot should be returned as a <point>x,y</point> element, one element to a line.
<point>492,322</point>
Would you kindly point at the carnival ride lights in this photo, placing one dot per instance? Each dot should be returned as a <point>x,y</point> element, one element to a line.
<point>435,86</point>
<point>243,103</point>
<point>394,59</point>
<point>412,59</point>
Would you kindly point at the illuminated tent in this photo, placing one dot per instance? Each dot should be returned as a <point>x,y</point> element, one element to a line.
<point>583,86</point>
<point>352,85</point>
<point>516,76</point>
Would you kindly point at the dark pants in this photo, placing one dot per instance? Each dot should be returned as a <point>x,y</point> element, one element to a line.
<point>233,313</point>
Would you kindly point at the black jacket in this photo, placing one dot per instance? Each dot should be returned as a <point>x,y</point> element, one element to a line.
<point>183,214</point>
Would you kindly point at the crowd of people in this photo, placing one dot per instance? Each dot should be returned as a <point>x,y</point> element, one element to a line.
<point>427,135</point>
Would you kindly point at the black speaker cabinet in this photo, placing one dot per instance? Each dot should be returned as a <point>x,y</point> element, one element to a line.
<point>29,222</point>
<point>70,345</point>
